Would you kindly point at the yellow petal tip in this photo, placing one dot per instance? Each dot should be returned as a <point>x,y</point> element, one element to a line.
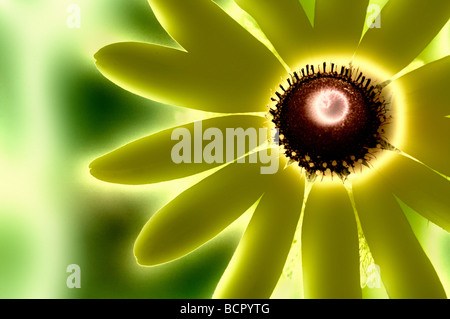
<point>145,257</point>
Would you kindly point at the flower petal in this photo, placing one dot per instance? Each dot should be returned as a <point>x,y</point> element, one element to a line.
<point>200,213</point>
<point>420,188</point>
<point>149,159</point>
<point>201,26</point>
<point>259,259</point>
<point>330,256</point>
<point>432,76</point>
<point>405,269</point>
<point>285,24</point>
<point>236,82</point>
<point>407,26</point>
<point>338,25</point>
<point>427,102</point>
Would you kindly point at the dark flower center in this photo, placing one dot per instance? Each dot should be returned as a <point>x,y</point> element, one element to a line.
<point>330,121</point>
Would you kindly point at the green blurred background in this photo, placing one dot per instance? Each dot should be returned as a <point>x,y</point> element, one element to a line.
<point>57,113</point>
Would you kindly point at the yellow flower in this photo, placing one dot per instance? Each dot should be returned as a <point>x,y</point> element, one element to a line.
<point>342,223</point>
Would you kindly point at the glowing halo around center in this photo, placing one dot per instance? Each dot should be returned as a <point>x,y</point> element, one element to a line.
<point>329,107</point>
<point>396,132</point>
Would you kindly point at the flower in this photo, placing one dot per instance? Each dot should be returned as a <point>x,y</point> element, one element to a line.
<point>224,69</point>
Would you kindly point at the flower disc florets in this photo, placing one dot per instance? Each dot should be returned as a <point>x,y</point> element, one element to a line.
<point>331,120</point>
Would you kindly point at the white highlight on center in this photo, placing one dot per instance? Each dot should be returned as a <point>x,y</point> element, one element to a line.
<point>329,107</point>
